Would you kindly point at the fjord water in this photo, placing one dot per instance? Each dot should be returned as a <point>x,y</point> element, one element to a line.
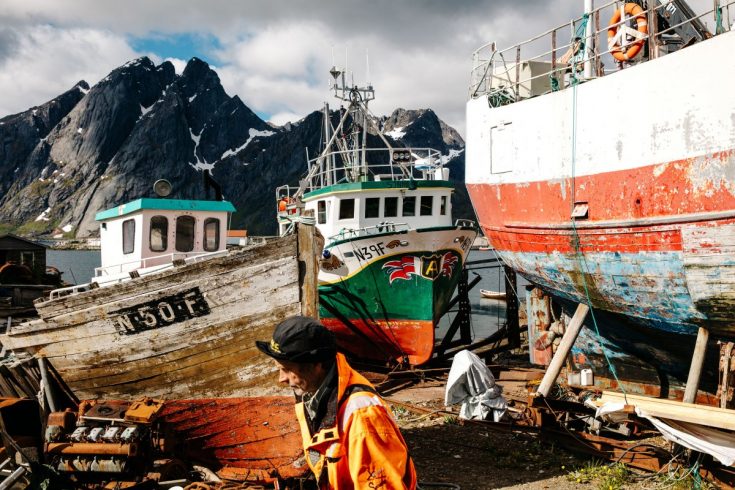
<point>76,266</point>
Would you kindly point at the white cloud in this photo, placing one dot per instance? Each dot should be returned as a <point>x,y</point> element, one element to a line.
<point>274,55</point>
<point>179,64</point>
<point>46,61</point>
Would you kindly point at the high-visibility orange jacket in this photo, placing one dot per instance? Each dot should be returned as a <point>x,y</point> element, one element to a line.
<point>364,448</point>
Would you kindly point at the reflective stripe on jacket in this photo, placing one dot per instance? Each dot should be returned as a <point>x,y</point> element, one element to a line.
<point>364,449</point>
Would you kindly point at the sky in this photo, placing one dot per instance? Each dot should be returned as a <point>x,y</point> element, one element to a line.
<point>274,54</point>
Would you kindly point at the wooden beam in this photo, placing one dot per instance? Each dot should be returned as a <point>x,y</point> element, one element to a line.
<point>570,336</point>
<point>308,269</point>
<point>721,418</point>
<point>695,370</point>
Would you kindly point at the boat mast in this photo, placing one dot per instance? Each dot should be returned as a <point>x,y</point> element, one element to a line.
<point>358,98</point>
<point>328,162</point>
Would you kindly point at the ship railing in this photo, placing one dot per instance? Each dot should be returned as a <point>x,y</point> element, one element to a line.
<point>465,223</point>
<point>381,164</point>
<point>542,64</point>
<point>158,260</point>
<point>118,273</point>
<point>385,227</point>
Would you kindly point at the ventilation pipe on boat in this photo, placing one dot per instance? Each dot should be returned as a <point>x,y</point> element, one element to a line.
<point>588,40</point>
<point>210,182</point>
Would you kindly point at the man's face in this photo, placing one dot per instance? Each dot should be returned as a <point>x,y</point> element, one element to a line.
<point>302,378</point>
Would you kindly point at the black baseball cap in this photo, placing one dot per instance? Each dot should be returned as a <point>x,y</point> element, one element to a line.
<point>300,339</point>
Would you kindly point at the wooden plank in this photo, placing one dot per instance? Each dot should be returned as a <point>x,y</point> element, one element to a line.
<point>514,375</point>
<point>308,269</point>
<point>670,409</point>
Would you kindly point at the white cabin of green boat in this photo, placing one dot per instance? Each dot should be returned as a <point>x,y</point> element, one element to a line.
<point>154,232</point>
<point>376,206</point>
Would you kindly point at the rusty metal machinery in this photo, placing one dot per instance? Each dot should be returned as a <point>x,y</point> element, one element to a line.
<point>114,437</point>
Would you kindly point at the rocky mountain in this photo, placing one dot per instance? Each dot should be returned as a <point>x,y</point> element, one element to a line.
<point>90,149</point>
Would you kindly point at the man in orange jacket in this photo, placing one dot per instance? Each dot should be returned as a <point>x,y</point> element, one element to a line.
<point>350,438</point>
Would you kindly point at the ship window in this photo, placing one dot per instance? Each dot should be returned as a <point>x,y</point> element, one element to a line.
<point>211,234</point>
<point>391,207</point>
<point>372,207</point>
<point>159,234</point>
<point>128,227</point>
<point>443,206</point>
<point>427,205</point>
<point>321,212</point>
<point>346,208</point>
<point>185,233</point>
<point>409,206</point>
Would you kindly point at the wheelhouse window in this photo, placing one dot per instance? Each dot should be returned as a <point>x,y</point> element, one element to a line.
<point>185,233</point>
<point>346,208</point>
<point>158,240</point>
<point>211,234</point>
<point>321,212</point>
<point>443,206</point>
<point>390,207</point>
<point>128,229</point>
<point>409,206</point>
<point>427,205</point>
<point>372,207</point>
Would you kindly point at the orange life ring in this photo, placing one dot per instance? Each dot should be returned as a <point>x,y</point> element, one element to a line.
<point>282,204</point>
<point>634,48</point>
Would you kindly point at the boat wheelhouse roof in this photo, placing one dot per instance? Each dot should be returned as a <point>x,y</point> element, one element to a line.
<point>377,185</point>
<point>165,205</point>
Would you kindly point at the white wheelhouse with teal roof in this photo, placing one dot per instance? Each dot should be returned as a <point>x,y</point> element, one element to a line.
<point>148,234</point>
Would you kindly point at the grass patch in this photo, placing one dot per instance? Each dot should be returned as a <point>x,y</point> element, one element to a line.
<point>608,477</point>
<point>34,228</point>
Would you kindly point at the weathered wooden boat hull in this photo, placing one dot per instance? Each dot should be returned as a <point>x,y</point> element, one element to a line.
<point>385,298</point>
<point>252,439</point>
<point>653,198</point>
<point>182,332</point>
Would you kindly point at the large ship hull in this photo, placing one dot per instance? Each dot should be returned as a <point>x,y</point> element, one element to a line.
<point>383,294</point>
<point>624,199</point>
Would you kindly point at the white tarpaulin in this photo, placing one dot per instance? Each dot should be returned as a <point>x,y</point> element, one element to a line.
<point>472,384</point>
<point>717,443</point>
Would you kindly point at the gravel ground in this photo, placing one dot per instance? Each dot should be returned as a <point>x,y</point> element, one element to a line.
<point>472,456</point>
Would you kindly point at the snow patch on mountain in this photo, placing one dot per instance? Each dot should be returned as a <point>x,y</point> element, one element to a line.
<point>253,133</point>
<point>199,164</point>
<point>397,133</point>
<point>44,216</point>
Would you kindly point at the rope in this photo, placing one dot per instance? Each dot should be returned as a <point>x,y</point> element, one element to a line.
<point>718,20</point>
<point>307,220</point>
<point>579,35</point>
<point>578,247</point>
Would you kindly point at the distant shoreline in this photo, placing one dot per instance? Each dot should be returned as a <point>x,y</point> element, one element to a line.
<point>71,243</point>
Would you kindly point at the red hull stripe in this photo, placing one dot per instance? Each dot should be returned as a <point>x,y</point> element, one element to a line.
<point>415,338</point>
<point>644,194</point>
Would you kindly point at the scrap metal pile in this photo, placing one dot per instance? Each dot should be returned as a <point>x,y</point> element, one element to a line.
<point>195,444</point>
